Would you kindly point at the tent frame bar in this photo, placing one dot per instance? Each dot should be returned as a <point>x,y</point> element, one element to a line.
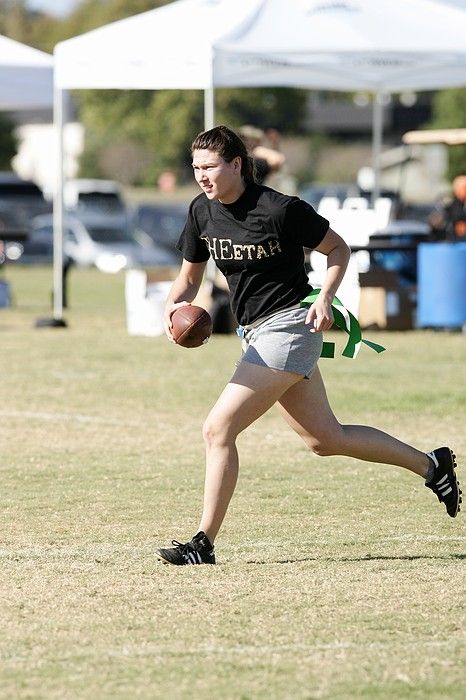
<point>377,133</point>
<point>59,111</point>
<point>209,108</point>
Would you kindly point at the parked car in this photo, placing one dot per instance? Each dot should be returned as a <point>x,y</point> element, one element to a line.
<point>163,223</point>
<point>94,196</point>
<point>100,241</point>
<point>20,201</point>
<point>37,249</point>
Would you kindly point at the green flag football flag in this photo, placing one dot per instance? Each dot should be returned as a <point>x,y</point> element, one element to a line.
<point>345,320</point>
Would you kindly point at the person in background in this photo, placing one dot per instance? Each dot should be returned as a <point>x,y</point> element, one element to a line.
<point>167,182</point>
<point>450,223</point>
<point>266,160</point>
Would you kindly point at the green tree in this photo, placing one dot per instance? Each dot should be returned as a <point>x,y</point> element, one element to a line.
<point>30,27</point>
<point>449,112</point>
<point>15,20</point>
<point>158,125</point>
<point>164,123</point>
<point>282,108</point>
<point>90,14</point>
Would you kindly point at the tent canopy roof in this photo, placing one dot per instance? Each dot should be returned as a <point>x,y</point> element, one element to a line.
<point>26,76</point>
<point>169,47</point>
<point>345,45</point>
<point>349,45</point>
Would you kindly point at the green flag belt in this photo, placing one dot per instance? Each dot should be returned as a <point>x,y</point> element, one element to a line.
<point>345,320</point>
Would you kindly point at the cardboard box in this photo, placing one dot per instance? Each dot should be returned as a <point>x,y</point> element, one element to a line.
<point>388,309</point>
<point>161,274</point>
<point>378,277</point>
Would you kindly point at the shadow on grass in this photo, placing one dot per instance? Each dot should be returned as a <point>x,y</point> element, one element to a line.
<point>367,557</point>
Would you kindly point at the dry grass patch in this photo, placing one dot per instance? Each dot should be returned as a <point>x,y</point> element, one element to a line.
<point>336,579</point>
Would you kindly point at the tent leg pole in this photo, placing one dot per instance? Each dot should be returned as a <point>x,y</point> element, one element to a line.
<point>377,128</point>
<point>58,207</point>
<point>59,101</point>
<point>209,108</point>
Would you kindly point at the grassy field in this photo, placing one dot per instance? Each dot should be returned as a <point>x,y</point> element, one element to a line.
<point>336,579</point>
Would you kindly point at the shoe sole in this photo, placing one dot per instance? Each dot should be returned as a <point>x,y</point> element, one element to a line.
<point>459,500</point>
<point>165,561</point>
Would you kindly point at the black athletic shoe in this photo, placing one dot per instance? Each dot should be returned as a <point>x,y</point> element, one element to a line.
<point>198,551</point>
<point>444,483</point>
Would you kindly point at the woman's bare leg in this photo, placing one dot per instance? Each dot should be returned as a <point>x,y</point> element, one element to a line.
<point>306,409</point>
<point>250,393</point>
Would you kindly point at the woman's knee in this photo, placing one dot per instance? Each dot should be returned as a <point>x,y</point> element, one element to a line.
<point>217,431</point>
<point>323,449</point>
<point>326,444</point>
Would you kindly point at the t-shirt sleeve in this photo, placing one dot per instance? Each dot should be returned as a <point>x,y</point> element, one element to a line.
<point>302,221</point>
<point>190,242</point>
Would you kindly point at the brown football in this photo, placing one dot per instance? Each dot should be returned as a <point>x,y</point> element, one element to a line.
<point>191,326</point>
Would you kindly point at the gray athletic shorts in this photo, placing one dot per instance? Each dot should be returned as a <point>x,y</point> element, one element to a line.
<point>282,341</point>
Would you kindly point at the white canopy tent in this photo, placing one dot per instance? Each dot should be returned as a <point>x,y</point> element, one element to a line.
<point>166,48</point>
<point>379,46</point>
<point>26,76</point>
<point>376,45</point>
<point>170,47</point>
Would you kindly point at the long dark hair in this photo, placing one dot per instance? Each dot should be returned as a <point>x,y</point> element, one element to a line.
<point>228,145</point>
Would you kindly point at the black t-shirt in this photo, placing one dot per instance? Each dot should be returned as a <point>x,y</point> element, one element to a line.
<point>257,242</point>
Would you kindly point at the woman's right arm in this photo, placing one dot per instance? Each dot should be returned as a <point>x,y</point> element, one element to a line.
<point>183,291</point>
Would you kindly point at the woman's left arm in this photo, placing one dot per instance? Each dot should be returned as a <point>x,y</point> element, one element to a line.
<point>320,315</point>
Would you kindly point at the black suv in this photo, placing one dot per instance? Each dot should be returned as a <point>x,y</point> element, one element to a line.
<point>20,201</point>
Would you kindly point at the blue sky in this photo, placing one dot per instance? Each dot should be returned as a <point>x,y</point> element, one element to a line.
<point>53,7</point>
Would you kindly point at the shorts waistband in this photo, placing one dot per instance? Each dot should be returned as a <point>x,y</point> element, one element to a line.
<point>261,319</point>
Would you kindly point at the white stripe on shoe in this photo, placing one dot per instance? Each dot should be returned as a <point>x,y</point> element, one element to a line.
<point>449,490</point>
<point>193,557</point>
